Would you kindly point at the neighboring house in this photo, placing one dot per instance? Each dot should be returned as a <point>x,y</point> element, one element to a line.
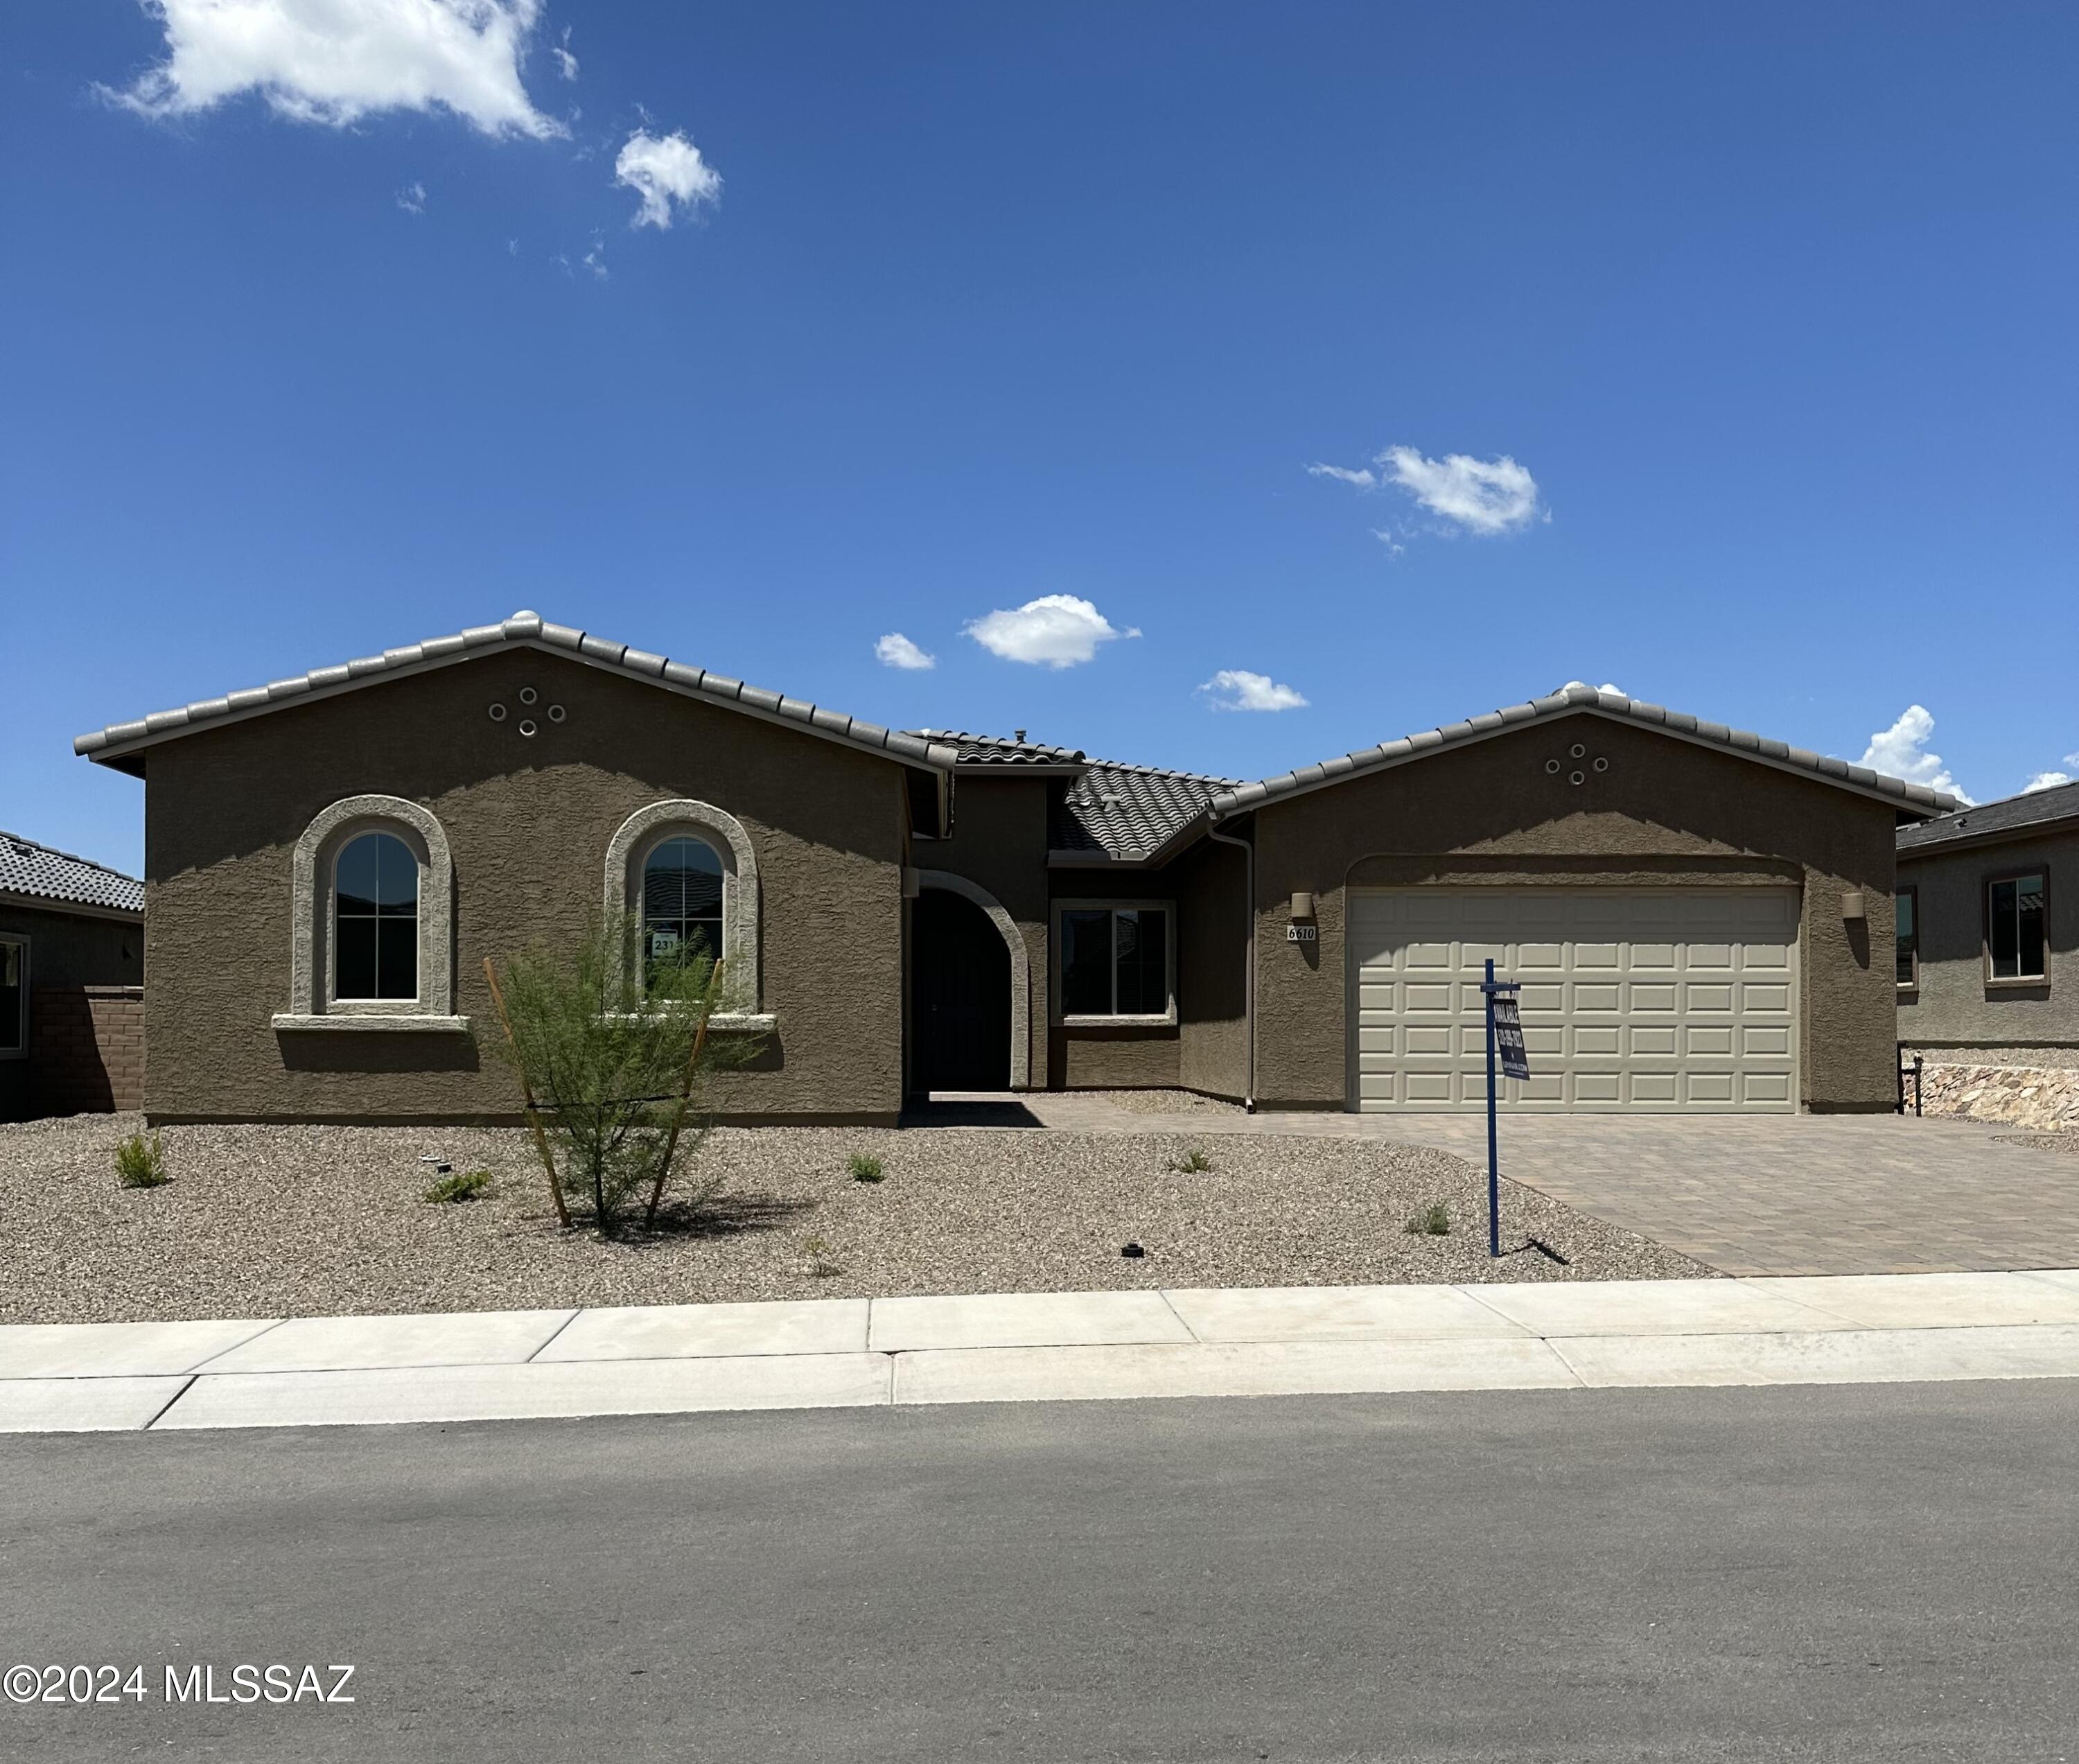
<point>330,859</point>
<point>72,968</point>
<point>1988,925</point>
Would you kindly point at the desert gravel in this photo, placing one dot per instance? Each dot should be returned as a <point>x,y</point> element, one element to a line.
<point>304,1220</point>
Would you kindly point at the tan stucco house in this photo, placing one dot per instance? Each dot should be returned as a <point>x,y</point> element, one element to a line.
<point>1701,918</point>
<point>1988,939</point>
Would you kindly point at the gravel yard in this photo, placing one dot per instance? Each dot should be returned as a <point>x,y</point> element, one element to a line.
<point>297,1221</point>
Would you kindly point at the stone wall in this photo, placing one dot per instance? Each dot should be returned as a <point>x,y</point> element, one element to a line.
<point>87,1050</point>
<point>2019,1095</point>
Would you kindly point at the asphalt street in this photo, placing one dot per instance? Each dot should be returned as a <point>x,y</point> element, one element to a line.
<point>1821,1572</point>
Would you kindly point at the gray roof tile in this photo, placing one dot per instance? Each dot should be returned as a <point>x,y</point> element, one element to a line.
<point>43,874</point>
<point>524,628</point>
<point>2032,810</point>
<point>1129,812</point>
<point>1238,797</point>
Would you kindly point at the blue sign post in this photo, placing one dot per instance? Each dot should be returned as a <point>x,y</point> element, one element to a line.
<point>1504,1038</point>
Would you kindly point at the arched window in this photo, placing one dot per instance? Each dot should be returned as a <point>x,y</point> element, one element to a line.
<point>687,872</point>
<point>375,919</point>
<point>682,902</point>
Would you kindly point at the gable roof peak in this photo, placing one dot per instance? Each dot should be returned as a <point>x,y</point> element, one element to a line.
<point>529,630</point>
<point>1573,697</point>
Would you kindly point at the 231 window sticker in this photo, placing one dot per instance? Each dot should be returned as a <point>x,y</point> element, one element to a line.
<point>242,1684</point>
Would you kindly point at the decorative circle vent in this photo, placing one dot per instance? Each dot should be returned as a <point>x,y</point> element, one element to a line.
<point>498,713</point>
<point>527,726</point>
<point>1602,765</point>
<point>1577,750</point>
<point>555,713</point>
<point>527,695</point>
<point>1572,777</point>
<point>1552,766</point>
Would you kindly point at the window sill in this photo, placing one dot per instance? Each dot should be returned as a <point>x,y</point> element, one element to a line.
<point>1166,1019</point>
<point>736,1022</point>
<point>2025,982</point>
<point>392,1023</point>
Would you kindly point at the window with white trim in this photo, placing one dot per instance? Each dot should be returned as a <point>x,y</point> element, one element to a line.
<point>1114,961</point>
<point>373,919</point>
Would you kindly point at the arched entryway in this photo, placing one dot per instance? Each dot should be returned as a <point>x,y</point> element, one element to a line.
<point>961,993</point>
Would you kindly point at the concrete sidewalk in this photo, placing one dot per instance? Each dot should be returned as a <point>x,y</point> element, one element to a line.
<point>1036,1347</point>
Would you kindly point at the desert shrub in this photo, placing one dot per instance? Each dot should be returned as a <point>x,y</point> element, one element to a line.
<point>864,1168</point>
<point>1432,1221</point>
<point>1192,1162</point>
<point>141,1162</point>
<point>614,1050</point>
<point>465,1185</point>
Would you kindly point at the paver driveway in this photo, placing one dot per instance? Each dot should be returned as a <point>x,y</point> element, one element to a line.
<point>1794,1194</point>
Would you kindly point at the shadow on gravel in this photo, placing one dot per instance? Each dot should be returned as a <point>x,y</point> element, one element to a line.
<point>719,1216</point>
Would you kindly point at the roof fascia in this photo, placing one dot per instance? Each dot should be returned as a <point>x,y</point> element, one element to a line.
<point>2058,826</point>
<point>1460,743</point>
<point>151,738</point>
<point>70,909</point>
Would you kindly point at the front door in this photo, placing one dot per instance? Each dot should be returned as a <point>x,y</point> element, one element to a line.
<point>960,991</point>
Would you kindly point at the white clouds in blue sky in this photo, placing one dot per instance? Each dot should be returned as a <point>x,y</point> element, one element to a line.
<point>667,172</point>
<point>1900,751</point>
<point>335,61</point>
<point>1056,630</point>
<point>1484,497</point>
<point>897,651</point>
<point>1236,688</point>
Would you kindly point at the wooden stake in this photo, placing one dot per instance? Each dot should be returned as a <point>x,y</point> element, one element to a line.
<point>526,1090</point>
<point>685,1096</point>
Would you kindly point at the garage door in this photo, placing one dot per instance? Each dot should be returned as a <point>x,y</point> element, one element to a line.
<point>1663,1000</point>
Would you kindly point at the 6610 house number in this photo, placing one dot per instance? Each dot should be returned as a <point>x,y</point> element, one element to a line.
<point>1301,933</point>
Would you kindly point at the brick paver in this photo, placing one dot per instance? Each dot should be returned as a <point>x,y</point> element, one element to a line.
<point>1791,1194</point>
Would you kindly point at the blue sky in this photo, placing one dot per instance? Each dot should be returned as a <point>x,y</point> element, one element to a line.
<point>1725,355</point>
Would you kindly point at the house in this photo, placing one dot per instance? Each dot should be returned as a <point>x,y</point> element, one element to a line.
<point>1988,944</point>
<point>330,858</point>
<point>72,968</point>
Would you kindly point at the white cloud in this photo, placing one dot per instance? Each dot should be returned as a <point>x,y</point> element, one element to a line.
<point>897,651</point>
<point>2046,781</point>
<point>335,61</point>
<point>412,199</point>
<point>566,64</point>
<point>1236,688</point>
<point>1900,751</point>
<point>1477,495</point>
<point>663,170</point>
<point>1605,687</point>
<point>1362,479</point>
<point>594,260</point>
<point>1056,630</point>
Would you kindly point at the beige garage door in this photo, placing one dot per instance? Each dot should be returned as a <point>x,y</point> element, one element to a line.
<point>1679,1000</point>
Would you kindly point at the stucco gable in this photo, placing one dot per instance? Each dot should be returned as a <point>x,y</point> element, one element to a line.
<point>123,744</point>
<point>1578,700</point>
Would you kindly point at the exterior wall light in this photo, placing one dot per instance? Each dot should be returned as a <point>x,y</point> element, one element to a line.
<point>1851,904</point>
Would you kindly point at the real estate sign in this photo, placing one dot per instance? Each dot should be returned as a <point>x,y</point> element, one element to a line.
<point>1508,1035</point>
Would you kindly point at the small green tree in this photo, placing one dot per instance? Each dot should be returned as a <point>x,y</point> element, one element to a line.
<point>611,1046</point>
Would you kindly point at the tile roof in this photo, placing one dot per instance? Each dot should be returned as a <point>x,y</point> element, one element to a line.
<point>1613,704</point>
<point>529,631</point>
<point>996,750</point>
<point>1129,812</point>
<point>42,874</point>
<point>2014,815</point>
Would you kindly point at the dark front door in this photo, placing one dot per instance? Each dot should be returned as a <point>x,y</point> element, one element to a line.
<point>960,991</point>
